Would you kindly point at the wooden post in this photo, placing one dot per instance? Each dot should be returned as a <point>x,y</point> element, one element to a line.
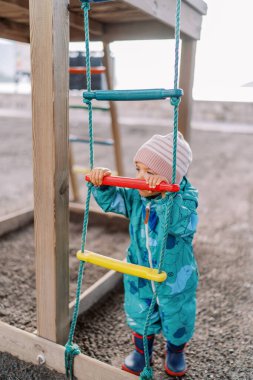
<point>73,177</point>
<point>186,83</point>
<point>49,34</point>
<point>113,112</point>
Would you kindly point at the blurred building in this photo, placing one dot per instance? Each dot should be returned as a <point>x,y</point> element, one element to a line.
<point>14,61</point>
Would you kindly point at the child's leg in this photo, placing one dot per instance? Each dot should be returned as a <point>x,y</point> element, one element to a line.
<point>135,361</point>
<point>178,314</point>
<point>136,309</point>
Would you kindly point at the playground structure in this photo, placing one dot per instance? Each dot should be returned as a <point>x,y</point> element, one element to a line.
<point>50,136</point>
<point>115,142</point>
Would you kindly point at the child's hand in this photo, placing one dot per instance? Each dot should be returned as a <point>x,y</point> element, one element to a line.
<point>97,175</point>
<point>154,180</point>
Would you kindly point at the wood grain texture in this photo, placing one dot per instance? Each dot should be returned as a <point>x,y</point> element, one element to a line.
<point>113,112</point>
<point>199,5</point>
<point>27,347</point>
<point>106,15</point>
<point>137,30</point>
<point>49,62</point>
<point>14,31</point>
<point>186,83</point>
<point>97,291</point>
<point>165,10</point>
<point>15,220</point>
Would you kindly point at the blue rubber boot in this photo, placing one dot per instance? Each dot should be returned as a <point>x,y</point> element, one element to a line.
<point>135,362</point>
<point>175,363</point>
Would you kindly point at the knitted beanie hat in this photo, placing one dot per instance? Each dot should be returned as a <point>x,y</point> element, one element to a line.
<point>157,154</point>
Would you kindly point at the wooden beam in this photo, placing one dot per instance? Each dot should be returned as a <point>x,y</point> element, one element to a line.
<point>18,5</point>
<point>165,10</point>
<point>15,10</point>
<point>141,30</point>
<point>186,83</point>
<point>28,347</point>
<point>95,292</point>
<point>198,5</point>
<point>73,177</point>
<point>14,31</point>
<point>115,129</point>
<point>16,220</point>
<point>76,22</point>
<point>49,29</point>
<point>98,218</point>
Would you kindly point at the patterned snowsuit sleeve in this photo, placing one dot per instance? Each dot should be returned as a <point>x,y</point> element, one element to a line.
<point>114,199</point>
<point>184,217</point>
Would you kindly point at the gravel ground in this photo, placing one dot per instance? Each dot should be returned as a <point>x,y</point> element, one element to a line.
<point>222,347</point>
<point>17,278</point>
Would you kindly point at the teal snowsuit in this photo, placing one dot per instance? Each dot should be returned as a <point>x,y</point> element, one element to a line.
<point>175,309</point>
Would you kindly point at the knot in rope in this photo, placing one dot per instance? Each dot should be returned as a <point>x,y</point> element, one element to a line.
<point>89,185</point>
<point>87,101</point>
<point>174,101</point>
<point>85,4</point>
<point>71,350</point>
<point>146,374</point>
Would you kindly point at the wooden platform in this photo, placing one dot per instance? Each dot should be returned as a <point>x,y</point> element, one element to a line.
<point>115,20</point>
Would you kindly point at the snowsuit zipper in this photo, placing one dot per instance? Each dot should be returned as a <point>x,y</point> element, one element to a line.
<point>147,246</point>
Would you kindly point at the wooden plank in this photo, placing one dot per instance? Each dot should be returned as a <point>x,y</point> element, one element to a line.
<point>199,5</point>
<point>14,31</point>
<point>76,22</point>
<point>73,177</point>
<point>98,218</point>
<point>115,129</point>
<point>15,220</point>
<point>15,10</point>
<point>165,10</point>
<point>186,83</point>
<point>116,14</point>
<point>18,5</point>
<point>49,57</point>
<point>141,30</point>
<point>162,11</point>
<point>28,347</point>
<point>97,291</point>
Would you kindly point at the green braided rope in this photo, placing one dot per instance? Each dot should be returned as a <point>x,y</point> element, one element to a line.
<point>176,101</point>
<point>147,373</point>
<point>175,136</point>
<point>71,349</point>
<point>177,41</point>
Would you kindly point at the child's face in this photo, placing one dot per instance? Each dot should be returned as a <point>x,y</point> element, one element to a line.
<point>142,172</point>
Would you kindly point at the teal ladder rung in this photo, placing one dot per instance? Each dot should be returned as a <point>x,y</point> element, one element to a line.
<point>128,95</point>
<point>96,108</point>
<point>97,1</point>
<point>75,139</point>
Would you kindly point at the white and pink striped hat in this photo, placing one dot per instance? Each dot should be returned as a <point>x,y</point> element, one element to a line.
<point>157,154</point>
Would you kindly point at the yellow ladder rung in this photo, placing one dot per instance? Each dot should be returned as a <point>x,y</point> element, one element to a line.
<point>81,170</point>
<point>121,266</point>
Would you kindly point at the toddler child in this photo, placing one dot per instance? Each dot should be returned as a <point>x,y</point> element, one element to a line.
<point>175,310</point>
